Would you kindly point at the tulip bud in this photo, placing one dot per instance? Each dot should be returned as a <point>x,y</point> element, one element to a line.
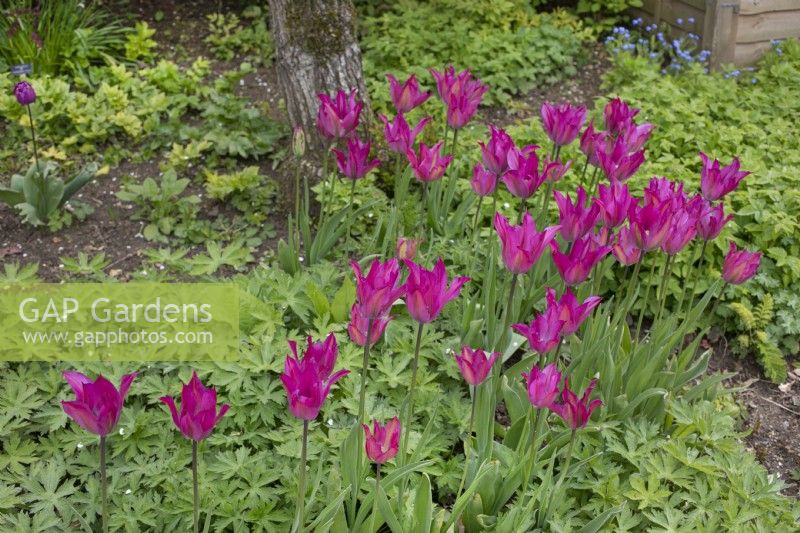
<point>24,93</point>
<point>299,142</point>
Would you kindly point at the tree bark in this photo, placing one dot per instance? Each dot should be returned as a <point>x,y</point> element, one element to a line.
<point>316,50</point>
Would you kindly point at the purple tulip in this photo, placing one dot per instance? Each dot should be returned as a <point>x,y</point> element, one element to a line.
<point>383,442</point>
<point>618,115</point>
<point>24,93</point>
<point>308,380</point>
<point>717,181</point>
<point>336,119</point>
<point>590,140</point>
<point>614,201</point>
<point>406,96</point>
<point>522,245</point>
<point>475,364</point>
<point>380,288</point>
<point>576,219</point>
<point>461,93</point>
<point>431,163</point>
<point>711,221</point>
<point>523,178</point>
<point>555,170</point>
<point>355,163</point>
<point>542,385</point>
<point>625,247</point>
<point>615,161</point>
<point>663,192</point>
<point>544,331</point>
<point>650,224</point>
<point>682,230</point>
<point>635,136</point>
<point>495,153</point>
<point>483,181</point>
<point>576,412</point>
<point>576,265</point>
<point>427,291</point>
<point>198,414</point>
<point>399,136</point>
<point>359,325</point>
<point>740,265</point>
<point>97,403</point>
<point>569,311</point>
<point>562,123</point>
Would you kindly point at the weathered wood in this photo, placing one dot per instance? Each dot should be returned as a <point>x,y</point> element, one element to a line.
<point>673,10</point>
<point>749,53</point>
<point>768,26</point>
<point>719,32</point>
<point>316,51</point>
<point>754,7</point>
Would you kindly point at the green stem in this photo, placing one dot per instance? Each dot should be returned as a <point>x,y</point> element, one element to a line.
<point>593,181</point>
<point>667,271</point>
<point>350,209</point>
<point>323,207</point>
<point>375,498</point>
<point>410,411</point>
<point>583,172</point>
<point>506,317</point>
<point>472,410</point>
<point>364,372</point>
<point>535,429</point>
<point>103,479</point>
<point>697,277</point>
<point>195,489</point>
<point>646,301</point>
<point>301,485</point>
<point>297,199</point>
<point>562,476</point>
<point>469,434</point>
<point>424,207</point>
<point>477,217</point>
<point>543,209</point>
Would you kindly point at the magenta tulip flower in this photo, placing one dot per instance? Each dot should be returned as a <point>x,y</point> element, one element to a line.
<point>717,181</point>
<point>522,245</point>
<point>711,221</point>
<point>574,411</point>
<point>635,136</point>
<point>198,414</point>
<point>359,325</point>
<point>576,265</point>
<point>380,288</point>
<point>383,442</point>
<point>740,265</point>
<point>576,219</point>
<point>590,140</point>
<point>569,311</point>
<point>399,136</point>
<point>618,115</point>
<point>542,385</point>
<point>562,123</point>
<point>24,93</point>
<point>614,201</point>
<point>427,291</point>
<point>625,247</point>
<point>355,162</point>
<point>664,192</point>
<point>462,107</point>
<point>446,80</point>
<point>523,177</point>
<point>406,96</point>
<point>336,119</point>
<point>431,163</point>
<point>682,230</point>
<point>475,364</point>
<point>555,170</point>
<point>615,161</point>
<point>495,152</point>
<point>544,331</point>
<point>407,248</point>
<point>650,225</point>
<point>483,181</point>
<point>308,380</point>
<point>98,404</point>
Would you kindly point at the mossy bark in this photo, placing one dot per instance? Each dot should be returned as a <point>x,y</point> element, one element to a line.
<point>316,52</point>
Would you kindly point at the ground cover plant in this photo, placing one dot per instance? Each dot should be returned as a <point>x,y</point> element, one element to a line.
<point>488,328</point>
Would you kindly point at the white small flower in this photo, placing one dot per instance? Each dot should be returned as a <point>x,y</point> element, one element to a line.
<point>330,422</point>
<point>80,445</point>
<point>128,491</point>
<point>121,431</point>
<point>506,205</point>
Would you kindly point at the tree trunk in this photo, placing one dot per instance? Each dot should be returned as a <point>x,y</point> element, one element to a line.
<point>316,51</point>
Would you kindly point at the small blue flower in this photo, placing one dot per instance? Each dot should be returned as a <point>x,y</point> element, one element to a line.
<point>690,20</point>
<point>753,81</point>
<point>636,22</point>
<point>694,37</point>
<point>663,71</point>
<point>653,55</point>
<point>680,22</point>
<point>779,51</point>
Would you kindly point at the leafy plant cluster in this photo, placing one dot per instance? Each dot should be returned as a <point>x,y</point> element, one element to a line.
<point>229,38</point>
<point>509,46</point>
<point>720,115</point>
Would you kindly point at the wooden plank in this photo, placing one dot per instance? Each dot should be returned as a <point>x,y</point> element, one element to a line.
<point>755,7</point>
<point>747,54</point>
<point>673,10</point>
<point>768,26</point>
<point>720,30</point>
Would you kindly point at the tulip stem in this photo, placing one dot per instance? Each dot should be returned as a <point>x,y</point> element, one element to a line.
<point>363,396</point>
<point>424,207</point>
<point>195,488</point>
<point>33,138</point>
<point>697,277</point>
<point>477,216</point>
<point>103,482</point>
<point>375,498</point>
<point>350,209</point>
<point>535,429</point>
<point>507,311</point>
<point>297,198</point>
<point>301,484</point>
<point>646,301</point>
<point>324,206</point>
<point>410,411</point>
<point>583,172</point>
<point>664,282</point>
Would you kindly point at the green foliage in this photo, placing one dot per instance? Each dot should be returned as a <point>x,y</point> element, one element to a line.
<point>139,45</point>
<point>756,339</point>
<point>602,15</point>
<point>229,39</point>
<point>727,117</point>
<point>506,44</point>
<point>220,186</point>
<point>63,36</point>
<point>39,193</point>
